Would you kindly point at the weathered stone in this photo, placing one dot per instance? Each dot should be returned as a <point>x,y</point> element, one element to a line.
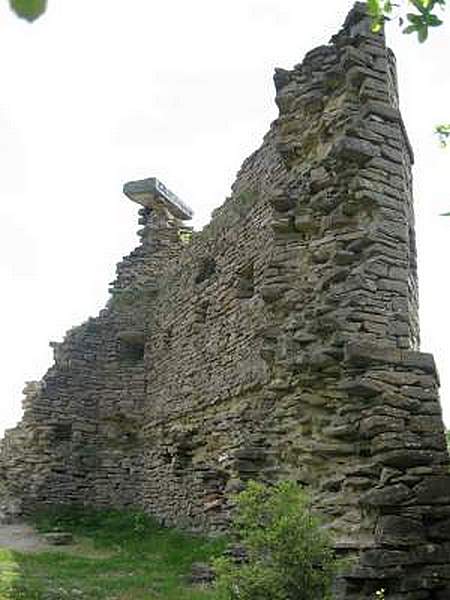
<point>420,393</point>
<point>390,495</point>
<point>365,354</point>
<point>281,78</point>
<point>282,225</point>
<point>365,573</point>
<point>434,490</point>
<point>394,531</point>
<point>441,531</point>
<point>201,573</point>
<point>405,458</point>
<point>380,109</point>
<point>273,292</point>
<point>58,538</point>
<point>383,557</point>
<point>282,202</point>
<point>362,387</point>
<point>305,223</point>
<point>360,151</point>
<point>376,424</point>
<point>419,360</point>
<point>431,553</point>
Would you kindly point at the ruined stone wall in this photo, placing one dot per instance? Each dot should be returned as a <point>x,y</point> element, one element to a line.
<point>80,436</point>
<point>281,342</point>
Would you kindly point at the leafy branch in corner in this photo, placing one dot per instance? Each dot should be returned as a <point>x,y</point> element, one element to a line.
<point>28,9</point>
<point>419,21</point>
<point>423,15</point>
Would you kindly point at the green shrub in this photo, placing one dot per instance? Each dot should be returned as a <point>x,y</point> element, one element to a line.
<point>289,555</point>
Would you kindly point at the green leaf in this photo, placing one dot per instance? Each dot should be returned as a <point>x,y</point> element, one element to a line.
<point>443,133</point>
<point>422,34</point>
<point>433,21</point>
<point>374,8</point>
<point>415,19</point>
<point>422,6</point>
<point>443,128</point>
<point>28,9</point>
<point>410,29</point>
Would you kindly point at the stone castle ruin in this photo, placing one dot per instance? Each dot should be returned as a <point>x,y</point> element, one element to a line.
<point>282,341</point>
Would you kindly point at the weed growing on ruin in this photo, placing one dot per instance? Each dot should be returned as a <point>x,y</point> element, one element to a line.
<point>185,235</point>
<point>289,555</point>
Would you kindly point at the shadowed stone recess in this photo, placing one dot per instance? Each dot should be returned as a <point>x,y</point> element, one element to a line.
<point>282,341</point>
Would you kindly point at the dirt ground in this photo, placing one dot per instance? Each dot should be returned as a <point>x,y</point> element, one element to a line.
<point>23,538</point>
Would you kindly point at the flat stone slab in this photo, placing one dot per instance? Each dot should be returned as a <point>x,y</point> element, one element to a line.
<point>58,538</point>
<point>151,193</point>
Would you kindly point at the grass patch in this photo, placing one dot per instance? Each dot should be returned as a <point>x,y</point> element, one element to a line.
<point>117,556</point>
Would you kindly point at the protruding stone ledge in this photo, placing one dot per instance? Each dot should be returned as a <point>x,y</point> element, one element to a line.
<point>362,354</point>
<point>151,193</point>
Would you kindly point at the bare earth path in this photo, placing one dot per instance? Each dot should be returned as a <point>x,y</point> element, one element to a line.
<point>23,538</point>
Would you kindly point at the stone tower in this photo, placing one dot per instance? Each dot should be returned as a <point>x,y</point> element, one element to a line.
<point>279,342</point>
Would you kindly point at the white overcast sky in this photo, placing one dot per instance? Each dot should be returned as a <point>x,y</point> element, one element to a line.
<point>99,92</point>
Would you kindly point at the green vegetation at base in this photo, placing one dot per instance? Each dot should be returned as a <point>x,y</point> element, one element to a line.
<point>128,556</point>
<point>289,555</point>
<point>117,556</point>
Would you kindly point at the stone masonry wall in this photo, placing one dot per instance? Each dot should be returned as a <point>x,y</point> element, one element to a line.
<point>282,341</point>
<point>80,436</point>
